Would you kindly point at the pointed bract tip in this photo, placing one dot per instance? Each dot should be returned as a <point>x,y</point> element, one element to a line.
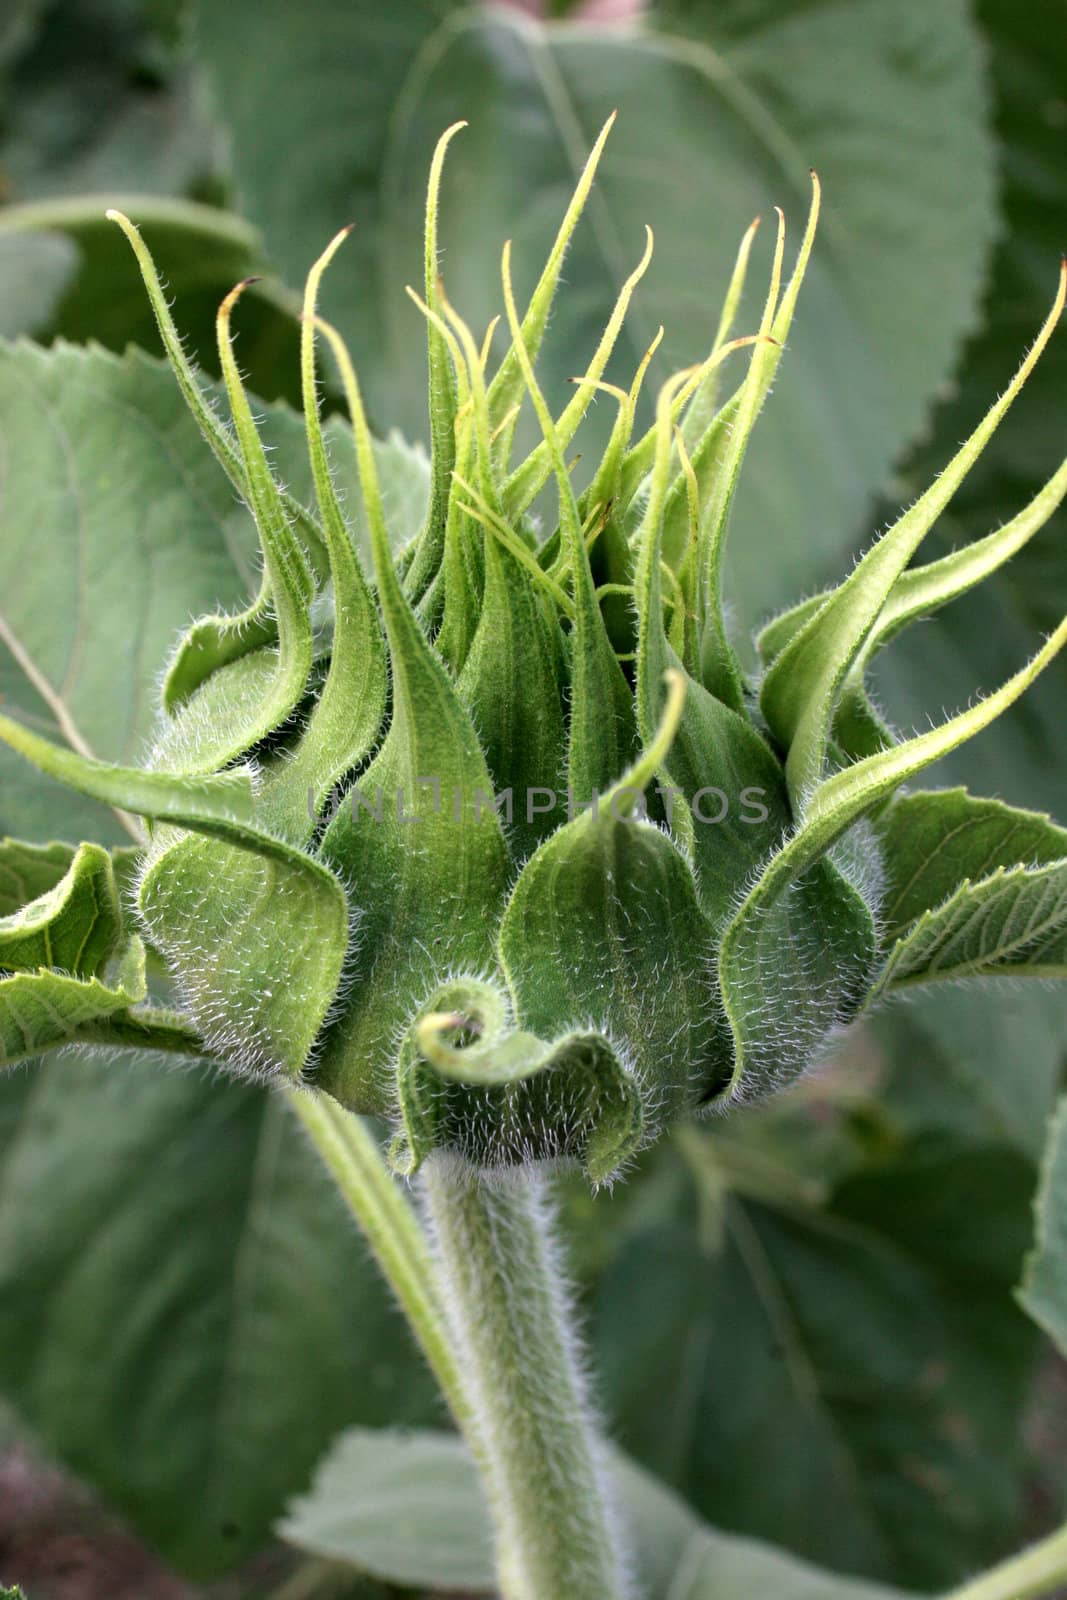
<point>1060,297</point>
<point>230,300</point>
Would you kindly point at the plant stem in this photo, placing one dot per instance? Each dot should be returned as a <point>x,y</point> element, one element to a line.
<point>505,1301</point>
<point>392,1230</point>
<point>1036,1571</point>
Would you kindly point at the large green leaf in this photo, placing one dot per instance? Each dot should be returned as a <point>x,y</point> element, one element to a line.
<point>1027,47</point>
<point>97,98</point>
<point>113,508</point>
<point>864,1356</point>
<point>408,1506</point>
<point>710,127</point>
<point>30,870</point>
<point>16,29</point>
<point>67,273</point>
<point>1003,1050</point>
<point>1044,1290</point>
<point>405,1506</point>
<point>186,1315</point>
<point>976,642</point>
<point>982,1066</point>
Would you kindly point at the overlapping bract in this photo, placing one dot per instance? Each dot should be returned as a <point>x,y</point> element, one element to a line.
<point>353,873</point>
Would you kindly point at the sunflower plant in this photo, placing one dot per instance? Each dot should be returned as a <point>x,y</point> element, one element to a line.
<point>503,837</point>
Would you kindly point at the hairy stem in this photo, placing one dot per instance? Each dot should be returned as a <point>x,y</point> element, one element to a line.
<point>391,1228</point>
<point>1037,1571</point>
<point>504,1299</point>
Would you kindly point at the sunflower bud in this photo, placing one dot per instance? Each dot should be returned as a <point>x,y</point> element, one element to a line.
<point>525,859</point>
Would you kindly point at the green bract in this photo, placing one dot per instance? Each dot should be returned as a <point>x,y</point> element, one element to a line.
<point>500,838</point>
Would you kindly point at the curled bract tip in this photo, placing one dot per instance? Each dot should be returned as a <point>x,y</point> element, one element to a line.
<point>430,1029</point>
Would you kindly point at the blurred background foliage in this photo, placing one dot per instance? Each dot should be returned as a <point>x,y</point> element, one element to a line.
<point>801,1318</point>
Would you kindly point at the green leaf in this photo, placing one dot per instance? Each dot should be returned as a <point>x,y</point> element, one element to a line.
<point>74,924</point>
<point>213,910</point>
<point>186,1315</point>
<point>958,902</point>
<point>979,1066</point>
<point>46,1010</point>
<point>974,1058</point>
<point>21,18</point>
<point>873,1360</point>
<point>408,1507</point>
<point>932,842</point>
<point>356,108</point>
<point>97,100</point>
<point>112,505</point>
<point>975,641</point>
<point>91,290</point>
<point>402,1506</point>
<point>1044,1288</point>
<point>33,272</point>
<point>1027,55</point>
<point>29,870</point>
<point>1013,924</point>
